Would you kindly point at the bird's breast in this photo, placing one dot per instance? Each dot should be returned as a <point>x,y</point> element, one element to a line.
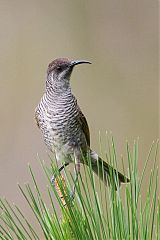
<point>59,124</point>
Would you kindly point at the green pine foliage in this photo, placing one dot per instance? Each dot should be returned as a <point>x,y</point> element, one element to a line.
<point>98,212</point>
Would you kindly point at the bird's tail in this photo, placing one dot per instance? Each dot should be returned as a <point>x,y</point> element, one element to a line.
<point>107,173</point>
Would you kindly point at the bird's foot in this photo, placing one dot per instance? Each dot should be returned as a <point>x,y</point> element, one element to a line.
<point>72,195</point>
<point>56,184</point>
<point>53,180</point>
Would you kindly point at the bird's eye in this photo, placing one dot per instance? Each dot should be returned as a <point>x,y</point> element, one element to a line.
<point>59,68</point>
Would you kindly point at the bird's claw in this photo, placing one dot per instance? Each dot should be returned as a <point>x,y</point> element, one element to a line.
<point>53,180</point>
<point>72,195</point>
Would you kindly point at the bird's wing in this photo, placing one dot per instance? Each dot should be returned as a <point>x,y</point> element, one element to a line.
<point>84,126</point>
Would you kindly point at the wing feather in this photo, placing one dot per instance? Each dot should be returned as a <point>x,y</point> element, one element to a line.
<point>84,126</point>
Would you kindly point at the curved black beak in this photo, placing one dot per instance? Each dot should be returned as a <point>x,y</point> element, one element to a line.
<point>76,62</point>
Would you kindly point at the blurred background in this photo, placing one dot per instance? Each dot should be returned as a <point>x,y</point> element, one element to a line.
<point>118,93</point>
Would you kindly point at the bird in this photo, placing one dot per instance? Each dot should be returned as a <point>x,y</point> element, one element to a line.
<point>63,125</point>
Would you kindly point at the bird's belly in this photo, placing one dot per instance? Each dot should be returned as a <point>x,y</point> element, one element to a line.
<point>61,143</point>
<point>61,136</point>
<point>62,132</point>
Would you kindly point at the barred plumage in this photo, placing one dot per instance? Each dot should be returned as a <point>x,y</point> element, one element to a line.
<point>57,117</point>
<point>63,125</point>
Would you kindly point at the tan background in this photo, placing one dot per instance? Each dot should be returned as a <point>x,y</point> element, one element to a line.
<point>118,92</point>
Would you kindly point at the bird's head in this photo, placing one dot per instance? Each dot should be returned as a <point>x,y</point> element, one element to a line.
<point>59,72</point>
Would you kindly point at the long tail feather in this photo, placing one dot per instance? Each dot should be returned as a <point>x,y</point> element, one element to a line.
<point>106,172</point>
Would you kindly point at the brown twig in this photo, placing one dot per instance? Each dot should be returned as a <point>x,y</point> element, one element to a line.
<point>61,188</point>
